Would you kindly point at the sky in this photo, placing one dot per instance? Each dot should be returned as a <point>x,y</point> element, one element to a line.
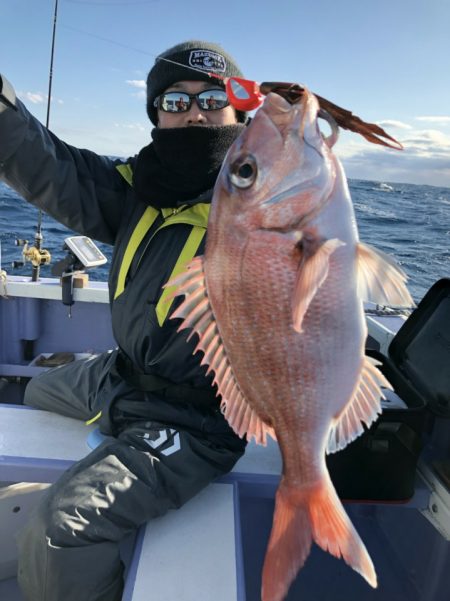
<point>386,60</point>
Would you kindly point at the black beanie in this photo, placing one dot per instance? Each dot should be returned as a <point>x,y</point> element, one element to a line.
<point>204,57</point>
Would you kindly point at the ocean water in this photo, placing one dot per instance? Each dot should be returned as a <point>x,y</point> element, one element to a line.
<point>409,222</point>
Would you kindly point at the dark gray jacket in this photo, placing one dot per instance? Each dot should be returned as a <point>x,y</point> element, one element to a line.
<point>93,195</point>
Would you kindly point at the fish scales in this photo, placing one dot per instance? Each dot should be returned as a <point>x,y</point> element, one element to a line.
<point>284,274</point>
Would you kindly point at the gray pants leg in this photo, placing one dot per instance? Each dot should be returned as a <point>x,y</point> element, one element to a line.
<point>69,550</point>
<point>74,390</point>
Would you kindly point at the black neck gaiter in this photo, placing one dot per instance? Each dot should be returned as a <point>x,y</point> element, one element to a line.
<point>182,163</point>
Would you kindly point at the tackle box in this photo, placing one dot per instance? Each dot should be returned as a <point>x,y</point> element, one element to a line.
<point>381,464</point>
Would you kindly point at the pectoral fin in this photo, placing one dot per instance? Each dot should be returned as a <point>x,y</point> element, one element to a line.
<point>196,312</point>
<point>312,273</point>
<point>380,279</point>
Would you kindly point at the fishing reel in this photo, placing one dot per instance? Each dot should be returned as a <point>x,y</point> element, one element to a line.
<point>35,255</point>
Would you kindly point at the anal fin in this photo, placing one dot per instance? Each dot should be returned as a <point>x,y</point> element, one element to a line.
<point>364,406</point>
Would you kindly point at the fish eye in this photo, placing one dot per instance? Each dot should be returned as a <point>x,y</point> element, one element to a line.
<point>243,172</point>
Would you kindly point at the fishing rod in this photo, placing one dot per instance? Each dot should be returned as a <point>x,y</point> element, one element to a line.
<point>37,255</point>
<point>38,238</point>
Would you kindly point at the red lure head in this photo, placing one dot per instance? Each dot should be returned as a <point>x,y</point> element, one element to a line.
<point>243,94</point>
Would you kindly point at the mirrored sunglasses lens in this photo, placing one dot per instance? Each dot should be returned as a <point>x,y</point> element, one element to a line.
<point>175,102</point>
<point>211,100</point>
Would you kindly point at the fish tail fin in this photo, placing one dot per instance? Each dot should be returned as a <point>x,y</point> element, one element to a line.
<point>289,544</point>
<point>334,532</point>
<point>300,517</point>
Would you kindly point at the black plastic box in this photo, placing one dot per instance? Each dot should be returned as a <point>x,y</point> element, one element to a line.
<point>381,464</point>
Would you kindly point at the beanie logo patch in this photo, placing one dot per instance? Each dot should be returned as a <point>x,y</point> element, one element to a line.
<point>207,61</point>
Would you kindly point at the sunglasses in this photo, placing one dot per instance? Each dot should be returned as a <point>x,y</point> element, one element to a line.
<point>181,102</point>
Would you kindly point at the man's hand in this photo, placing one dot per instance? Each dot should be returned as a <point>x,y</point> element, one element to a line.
<point>7,94</point>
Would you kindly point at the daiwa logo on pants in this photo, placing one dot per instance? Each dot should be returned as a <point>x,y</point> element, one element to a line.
<point>163,438</point>
<point>207,60</point>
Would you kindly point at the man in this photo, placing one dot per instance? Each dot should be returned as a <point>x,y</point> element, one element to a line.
<point>150,394</point>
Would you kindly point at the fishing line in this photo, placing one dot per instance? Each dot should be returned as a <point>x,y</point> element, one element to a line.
<point>155,56</point>
<point>99,37</point>
<point>111,3</point>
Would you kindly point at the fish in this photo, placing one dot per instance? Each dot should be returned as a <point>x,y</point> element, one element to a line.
<point>276,302</point>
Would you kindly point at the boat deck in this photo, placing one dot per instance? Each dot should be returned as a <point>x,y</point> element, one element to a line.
<point>217,541</point>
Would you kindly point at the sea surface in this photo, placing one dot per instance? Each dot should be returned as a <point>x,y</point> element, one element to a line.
<point>409,222</point>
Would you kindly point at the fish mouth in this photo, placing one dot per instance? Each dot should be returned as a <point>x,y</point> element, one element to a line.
<point>295,171</point>
<point>288,116</point>
<point>297,128</point>
<point>302,116</point>
<point>294,167</point>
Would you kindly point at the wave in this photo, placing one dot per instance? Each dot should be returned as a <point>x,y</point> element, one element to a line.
<point>407,221</point>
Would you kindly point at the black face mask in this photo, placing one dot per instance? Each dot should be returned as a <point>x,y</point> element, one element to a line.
<point>182,163</point>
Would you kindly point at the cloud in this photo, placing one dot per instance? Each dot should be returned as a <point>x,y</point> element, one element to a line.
<point>131,126</point>
<point>140,85</point>
<point>137,83</point>
<point>428,141</point>
<point>34,97</point>
<point>438,119</point>
<point>37,97</point>
<point>395,124</point>
<point>424,160</point>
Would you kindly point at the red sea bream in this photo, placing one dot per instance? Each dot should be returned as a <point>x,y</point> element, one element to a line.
<point>277,303</point>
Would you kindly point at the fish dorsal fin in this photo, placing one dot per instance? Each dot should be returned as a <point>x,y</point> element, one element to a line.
<point>312,273</point>
<point>380,279</point>
<point>364,406</point>
<point>196,312</point>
